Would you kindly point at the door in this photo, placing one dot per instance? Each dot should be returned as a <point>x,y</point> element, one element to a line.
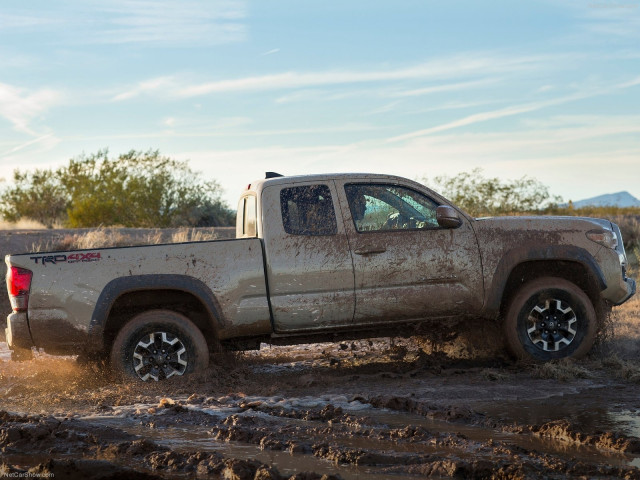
<point>309,264</point>
<point>406,265</point>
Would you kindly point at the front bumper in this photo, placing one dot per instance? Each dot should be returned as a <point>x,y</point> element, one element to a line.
<point>17,331</point>
<point>631,290</point>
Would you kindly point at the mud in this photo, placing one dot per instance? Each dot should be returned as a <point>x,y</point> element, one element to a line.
<point>363,410</point>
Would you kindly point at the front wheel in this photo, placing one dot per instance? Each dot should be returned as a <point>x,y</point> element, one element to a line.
<point>550,318</point>
<point>157,345</point>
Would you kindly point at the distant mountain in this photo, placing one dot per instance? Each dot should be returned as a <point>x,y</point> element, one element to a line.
<point>620,199</point>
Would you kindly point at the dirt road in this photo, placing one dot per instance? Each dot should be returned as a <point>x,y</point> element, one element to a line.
<point>356,410</point>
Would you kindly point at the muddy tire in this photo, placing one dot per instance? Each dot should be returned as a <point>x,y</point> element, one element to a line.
<point>550,318</point>
<point>157,345</point>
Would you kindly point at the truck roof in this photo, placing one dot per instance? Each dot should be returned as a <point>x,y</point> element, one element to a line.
<point>258,185</point>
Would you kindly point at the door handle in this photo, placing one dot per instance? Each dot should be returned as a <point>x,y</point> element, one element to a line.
<point>369,250</point>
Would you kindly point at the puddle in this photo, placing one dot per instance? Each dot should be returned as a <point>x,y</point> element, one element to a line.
<point>483,435</point>
<point>597,410</point>
<point>197,438</point>
<point>468,442</point>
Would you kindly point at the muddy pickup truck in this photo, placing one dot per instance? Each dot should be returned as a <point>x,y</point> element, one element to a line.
<point>317,258</point>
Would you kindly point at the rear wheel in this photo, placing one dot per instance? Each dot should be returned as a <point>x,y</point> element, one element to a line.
<point>550,318</point>
<point>157,345</point>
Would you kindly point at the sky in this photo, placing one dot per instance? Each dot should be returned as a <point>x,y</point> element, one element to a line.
<point>417,88</point>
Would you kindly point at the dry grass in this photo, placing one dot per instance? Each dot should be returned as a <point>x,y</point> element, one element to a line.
<point>564,370</point>
<point>626,324</point>
<point>25,224</point>
<point>117,237</point>
<point>192,235</point>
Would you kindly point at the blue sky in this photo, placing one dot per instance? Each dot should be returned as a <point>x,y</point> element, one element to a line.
<point>549,89</point>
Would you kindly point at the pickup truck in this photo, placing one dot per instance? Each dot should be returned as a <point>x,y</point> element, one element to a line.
<point>317,258</point>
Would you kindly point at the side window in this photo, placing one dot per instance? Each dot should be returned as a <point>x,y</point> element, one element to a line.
<point>250,214</point>
<point>376,207</point>
<point>308,210</point>
<point>246,217</point>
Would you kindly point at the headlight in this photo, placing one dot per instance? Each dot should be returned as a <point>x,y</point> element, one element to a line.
<point>603,237</point>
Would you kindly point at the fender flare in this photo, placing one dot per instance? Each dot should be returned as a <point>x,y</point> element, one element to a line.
<point>550,253</point>
<point>138,283</point>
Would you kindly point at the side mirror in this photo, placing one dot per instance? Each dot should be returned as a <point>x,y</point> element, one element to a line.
<point>448,217</point>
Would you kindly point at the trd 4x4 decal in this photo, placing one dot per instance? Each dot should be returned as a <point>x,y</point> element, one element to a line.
<point>72,258</point>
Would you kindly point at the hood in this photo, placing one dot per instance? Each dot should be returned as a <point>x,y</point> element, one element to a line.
<point>553,222</point>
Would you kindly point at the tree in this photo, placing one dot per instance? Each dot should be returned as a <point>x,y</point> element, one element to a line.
<point>136,189</point>
<point>37,195</point>
<point>481,196</point>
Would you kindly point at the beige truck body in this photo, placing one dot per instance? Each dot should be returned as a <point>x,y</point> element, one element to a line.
<point>290,278</point>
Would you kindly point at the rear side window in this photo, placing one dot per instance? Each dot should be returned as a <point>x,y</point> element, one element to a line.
<point>308,210</point>
<point>250,214</point>
<point>246,218</point>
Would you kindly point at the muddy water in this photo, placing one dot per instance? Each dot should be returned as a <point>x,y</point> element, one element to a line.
<point>368,431</point>
<point>602,409</point>
<point>196,437</point>
<point>482,434</point>
<point>365,419</point>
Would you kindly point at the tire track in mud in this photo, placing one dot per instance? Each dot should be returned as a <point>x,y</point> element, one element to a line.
<point>356,417</point>
<point>353,442</point>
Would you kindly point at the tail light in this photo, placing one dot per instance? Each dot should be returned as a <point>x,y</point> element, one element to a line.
<point>18,286</point>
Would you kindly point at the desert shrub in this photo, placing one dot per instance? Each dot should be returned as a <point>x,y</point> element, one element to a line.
<point>482,196</point>
<point>37,196</point>
<point>608,211</point>
<point>135,189</point>
<point>630,229</point>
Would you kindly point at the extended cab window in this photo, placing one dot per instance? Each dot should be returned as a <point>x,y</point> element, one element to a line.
<point>376,207</point>
<point>246,218</point>
<point>308,210</point>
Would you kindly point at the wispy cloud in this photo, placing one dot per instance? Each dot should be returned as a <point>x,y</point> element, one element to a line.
<point>619,18</point>
<point>10,21</point>
<point>485,116</point>
<point>447,87</point>
<point>631,83</point>
<point>557,148</point>
<point>226,128</point>
<point>148,86</point>
<point>171,23</point>
<point>444,70</point>
<point>49,141</point>
<point>20,106</point>
<point>437,69</point>
<point>512,110</point>
<point>146,22</point>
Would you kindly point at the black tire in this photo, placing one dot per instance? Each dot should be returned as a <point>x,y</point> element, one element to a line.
<point>159,344</point>
<point>550,318</point>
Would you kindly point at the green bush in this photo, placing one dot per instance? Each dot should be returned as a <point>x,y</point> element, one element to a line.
<point>481,196</point>
<point>135,189</point>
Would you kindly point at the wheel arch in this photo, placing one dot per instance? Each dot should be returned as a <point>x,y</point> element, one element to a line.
<point>125,297</point>
<point>522,265</point>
